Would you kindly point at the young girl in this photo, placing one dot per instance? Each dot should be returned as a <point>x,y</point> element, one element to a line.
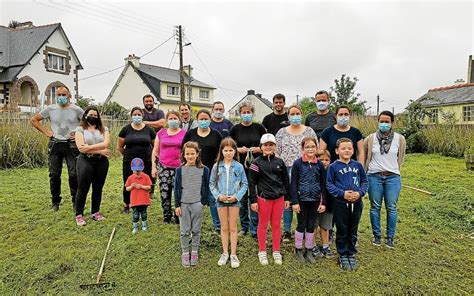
<point>269,194</point>
<point>192,177</point>
<point>308,182</point>
<point>228,185</point>
<point>139,185</point>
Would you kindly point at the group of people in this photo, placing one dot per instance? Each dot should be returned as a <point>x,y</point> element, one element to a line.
<point>257,173</point>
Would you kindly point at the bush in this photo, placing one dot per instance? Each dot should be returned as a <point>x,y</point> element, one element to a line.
<point>416,142</point>
<point>448,140</point>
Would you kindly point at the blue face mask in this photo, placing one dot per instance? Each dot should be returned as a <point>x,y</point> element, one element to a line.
<point>204,123</point>
<point>343,120</point>
<point>246,117</point>
<point>385,127</point>
<point>137,119</point>
<point>61,100</point>
<point>173,123</point>
<point>322,105</point>
<point>218,114</point>
<point>295,119</point>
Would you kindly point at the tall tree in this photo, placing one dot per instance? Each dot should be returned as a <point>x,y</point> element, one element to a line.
<point>343,93</point>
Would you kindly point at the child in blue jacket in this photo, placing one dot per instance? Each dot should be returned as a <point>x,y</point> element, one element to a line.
<point>347,182</point>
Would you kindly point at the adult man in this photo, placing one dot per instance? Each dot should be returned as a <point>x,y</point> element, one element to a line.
<point>64,118</point>
<point>323,117</point>
<point>218,121</point>
<point>187,121</point>
<point>274,121</point>
<point>153,117</point>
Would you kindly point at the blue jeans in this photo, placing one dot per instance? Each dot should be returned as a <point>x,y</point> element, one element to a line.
<point>216,223</point>
<point>288,213</point>
<point>385,188</point>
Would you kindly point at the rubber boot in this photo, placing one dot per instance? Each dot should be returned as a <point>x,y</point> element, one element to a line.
<point>309,256</point>
<point>299,255</point>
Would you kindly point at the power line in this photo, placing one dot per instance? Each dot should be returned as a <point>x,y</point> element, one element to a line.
<point>173,54</point>
<point>155,48</point>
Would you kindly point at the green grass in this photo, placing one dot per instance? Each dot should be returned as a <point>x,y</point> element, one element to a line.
<point>45,252</point>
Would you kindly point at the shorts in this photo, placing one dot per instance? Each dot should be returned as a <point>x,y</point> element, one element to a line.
<point>227,205</point>
<point>324,221</point>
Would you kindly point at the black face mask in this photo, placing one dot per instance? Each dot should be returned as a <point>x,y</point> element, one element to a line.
<point>92,120</point>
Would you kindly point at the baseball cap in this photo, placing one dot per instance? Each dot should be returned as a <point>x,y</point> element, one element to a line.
<point>267,138</point>
<point>137,164</point>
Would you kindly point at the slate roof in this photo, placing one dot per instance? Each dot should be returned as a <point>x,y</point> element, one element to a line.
<point>449,95</point>
<point>248,96</point>
<point>19,46</point>
<point>156,73</point>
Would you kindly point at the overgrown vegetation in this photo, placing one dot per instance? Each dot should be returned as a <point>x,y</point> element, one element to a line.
<point>44,252</point>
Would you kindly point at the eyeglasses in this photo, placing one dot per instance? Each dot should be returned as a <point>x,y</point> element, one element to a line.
<point>62,94</point>
<point>309,147</point>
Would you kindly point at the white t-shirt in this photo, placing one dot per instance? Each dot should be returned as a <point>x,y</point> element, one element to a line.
<point>227,169</point>
<point>387,162</point>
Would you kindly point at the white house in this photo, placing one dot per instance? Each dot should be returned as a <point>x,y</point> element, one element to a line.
<point>34,61</point>
<point>138,79</point>
<point>262,107</point>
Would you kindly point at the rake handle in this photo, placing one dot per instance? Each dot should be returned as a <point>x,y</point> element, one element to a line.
<point>99,275</point>
<point>418,189</point>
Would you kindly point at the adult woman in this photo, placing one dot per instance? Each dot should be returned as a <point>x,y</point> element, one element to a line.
<point>135,140</point>
<point>289,149</point>
<point>247,135</point>
<point>342,129</point>
<point>208,141</point>
<point>92,139</point>
<point>385,150</point>
<point>165,159</point>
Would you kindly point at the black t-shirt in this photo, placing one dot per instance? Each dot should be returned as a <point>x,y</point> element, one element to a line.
<point>319,122</point>
<point>138,143</point>
<point>209,145</point>
<point>330,136</point>
<point>273,122</point>
<point>154,115</point>
<point>248,136</point>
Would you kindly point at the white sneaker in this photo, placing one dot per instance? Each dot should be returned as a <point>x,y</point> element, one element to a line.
<point>223,260</point>
<point>262,257</point>
<point>234,261</point>
<point>277,258</point>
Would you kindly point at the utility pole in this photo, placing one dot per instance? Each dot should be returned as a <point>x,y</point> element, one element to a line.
<point>181,74</point>
<point>378,104</point>
<point>393,110</point>
<point>297,99</point>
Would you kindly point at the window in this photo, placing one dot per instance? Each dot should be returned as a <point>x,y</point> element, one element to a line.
<point>468,113</point>
<point>433,116</point>
<point>56,62</point>
<point>204,94</point>
<point>173,90</point>
<point>52,94</point>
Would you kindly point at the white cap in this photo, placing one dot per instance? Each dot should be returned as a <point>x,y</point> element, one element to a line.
<point>267,138</point>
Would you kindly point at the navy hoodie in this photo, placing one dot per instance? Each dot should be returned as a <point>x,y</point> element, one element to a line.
<point>343,176</point>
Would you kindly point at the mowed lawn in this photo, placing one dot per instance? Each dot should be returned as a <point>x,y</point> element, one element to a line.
<point>45,252</point>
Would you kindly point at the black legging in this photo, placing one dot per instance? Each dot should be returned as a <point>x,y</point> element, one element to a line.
<point>307,216</point>
<point>127,172</point>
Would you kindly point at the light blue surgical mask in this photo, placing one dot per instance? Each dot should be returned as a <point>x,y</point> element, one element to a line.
<point>295,119</point>
<point>322,105</point>
<point>204,123</point>
<point>385,127</point>
<point>343,120</point>
<point>61,100</point>
<point>246,117</point>
<point>137,119</point>
<point>217,114</point>
<point>173,123</point>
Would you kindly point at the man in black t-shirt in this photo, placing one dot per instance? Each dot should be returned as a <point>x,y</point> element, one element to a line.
<point>153,117</point>
<point>274,121</point>
<point>323,117</point>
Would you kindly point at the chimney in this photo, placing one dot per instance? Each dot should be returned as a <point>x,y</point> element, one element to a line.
<point>259,95</point>
<point>133,59</point>
<point>188,70</point>
<point>470,70</point>
<point>250,92</point>
<point>24,25</point>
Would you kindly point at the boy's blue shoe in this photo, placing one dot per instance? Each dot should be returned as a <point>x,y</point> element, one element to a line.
<point>377,241</point>
<point>135,228</point>
<point>144,225</point>
<point>344,262</point>
<point>352,262</point>
<point>390,243</point>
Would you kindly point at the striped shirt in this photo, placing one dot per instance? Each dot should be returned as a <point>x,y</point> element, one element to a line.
<point>191,183</point>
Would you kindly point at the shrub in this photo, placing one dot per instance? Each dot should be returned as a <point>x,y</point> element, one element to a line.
<point>448,140</point>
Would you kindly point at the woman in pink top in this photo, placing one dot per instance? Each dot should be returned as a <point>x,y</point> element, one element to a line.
<point>165,159</point>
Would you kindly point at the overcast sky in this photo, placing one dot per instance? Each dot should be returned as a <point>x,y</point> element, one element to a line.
<point>397,49</point>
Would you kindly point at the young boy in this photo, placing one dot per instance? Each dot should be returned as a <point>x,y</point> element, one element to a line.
<point>324,220</point>
<point>347,182</point>
<point>139,185</point>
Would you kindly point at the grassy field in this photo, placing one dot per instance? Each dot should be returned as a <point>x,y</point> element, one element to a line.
<point>45,252</point>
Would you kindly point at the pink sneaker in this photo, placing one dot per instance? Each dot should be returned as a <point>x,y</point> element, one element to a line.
<point>194,258</point>
<point>97,216</point>
<point>80,220</point>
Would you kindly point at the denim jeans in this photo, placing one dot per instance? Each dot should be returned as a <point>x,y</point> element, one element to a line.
<point>139,211</point>
<point>216,223</point>
<point>57,152</point>
<point>288,213</point>
<point>248,218</point>
<point>385,188</point>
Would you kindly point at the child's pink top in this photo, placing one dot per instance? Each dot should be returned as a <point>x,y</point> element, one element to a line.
<point>170,148</point>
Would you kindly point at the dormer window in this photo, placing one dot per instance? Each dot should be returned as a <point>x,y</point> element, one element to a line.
<point>56,62</point>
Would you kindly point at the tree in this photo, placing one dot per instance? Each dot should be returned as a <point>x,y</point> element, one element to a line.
<point>343,94</point>
<point>13,24</point>
<point>414,116</point>
<point>114,110</point>
<point>83,102</point>
<point>307,105</point>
